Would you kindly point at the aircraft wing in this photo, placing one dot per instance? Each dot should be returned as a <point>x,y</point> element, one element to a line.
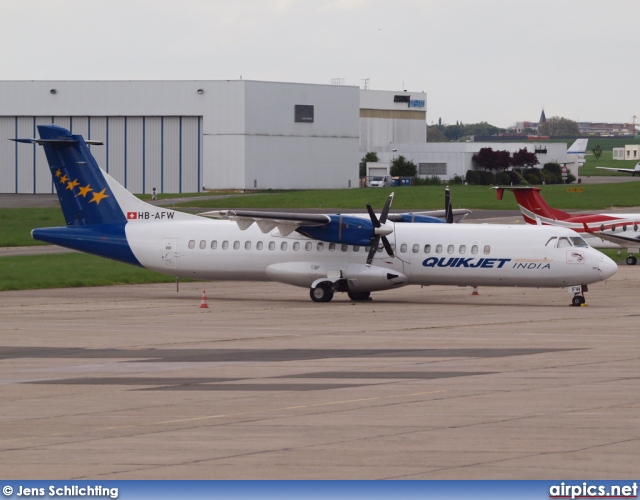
<point>286,222</point>
<point>625,170</point>
<point>621,239</point>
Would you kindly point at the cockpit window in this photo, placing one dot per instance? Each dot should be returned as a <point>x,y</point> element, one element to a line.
<point>563,242</point>
<point>552,242</point>
<point>578,242</point>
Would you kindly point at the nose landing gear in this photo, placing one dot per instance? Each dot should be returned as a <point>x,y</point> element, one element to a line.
<point>578,297</point>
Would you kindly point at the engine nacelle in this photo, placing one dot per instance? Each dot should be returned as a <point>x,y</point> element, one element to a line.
<point>363,278</point>
<point>347,229</point>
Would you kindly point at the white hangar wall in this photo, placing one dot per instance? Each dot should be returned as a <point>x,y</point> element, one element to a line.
<point>183,136</point>
<point>388,117</point>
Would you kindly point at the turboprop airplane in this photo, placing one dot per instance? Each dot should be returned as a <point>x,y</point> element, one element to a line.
<point>633,171</point>
<point>599,230</point>
<point>324,253</point>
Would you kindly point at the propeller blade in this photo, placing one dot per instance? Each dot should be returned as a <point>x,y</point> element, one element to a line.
<point>377,235</point>
<point>374,248</point>
<point>372,215</point>
<point>447,206</point>
<point>385,210</point>
<point>387,246</point>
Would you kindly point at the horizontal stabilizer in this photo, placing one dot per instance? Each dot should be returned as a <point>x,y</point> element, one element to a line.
<point>57,141</point>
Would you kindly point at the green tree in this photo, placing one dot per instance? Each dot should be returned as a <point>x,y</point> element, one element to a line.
<point>557,125</point>
<point>434,134</point>
<point>401,167</point>
<point>368,158</point>
<point>597,151</point>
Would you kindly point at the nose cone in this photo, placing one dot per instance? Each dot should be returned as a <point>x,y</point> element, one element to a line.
<point>607,267</point>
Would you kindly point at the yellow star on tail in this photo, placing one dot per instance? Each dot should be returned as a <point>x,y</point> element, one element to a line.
<point>72,184</point>
<point>97,197</point>
<point>84,191</point>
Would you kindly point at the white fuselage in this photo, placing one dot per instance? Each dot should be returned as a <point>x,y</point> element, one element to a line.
<point>425,254</point>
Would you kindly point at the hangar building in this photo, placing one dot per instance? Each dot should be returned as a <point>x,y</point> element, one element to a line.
<point>188,136</point>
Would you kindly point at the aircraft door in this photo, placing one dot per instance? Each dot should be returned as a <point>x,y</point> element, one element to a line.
<point>170,254</point>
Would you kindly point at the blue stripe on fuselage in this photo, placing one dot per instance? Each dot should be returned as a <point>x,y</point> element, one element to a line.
<point>105,240</point>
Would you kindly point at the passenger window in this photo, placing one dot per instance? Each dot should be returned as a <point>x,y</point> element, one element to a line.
<point>416,248</point>
<point>344,247</point>
<point>247,245</point>
<point>487,249</point>
<point>474,249</point>
<point>272,245</point>
<point>450,249</point>
<point>552,242</point>
<point>236,245</point>
<point>403,248</point>
<point>356,248</point>
<point>332,247</point>
<point>427,249</point>
<point>283,246</point>
<point>259,245</point>
<point>214,244</point>
<point>563,242</point>
<point>225,244</point>
<point>367,249</point>
<point>438,248</point>
<point>307,246</point>
<point>203,244</point>
<point>463,249</point>
<point>296,246</point>
<point>192,244</point>
<point>320,246</point>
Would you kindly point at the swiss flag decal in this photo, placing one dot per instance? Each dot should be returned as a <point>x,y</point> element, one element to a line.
<point>132,215</point>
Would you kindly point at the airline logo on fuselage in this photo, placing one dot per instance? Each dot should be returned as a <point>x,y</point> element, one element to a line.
<point>483,262</point>
<point>150,215</point>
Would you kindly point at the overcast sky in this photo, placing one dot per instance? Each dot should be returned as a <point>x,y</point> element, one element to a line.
<point>498,61</point>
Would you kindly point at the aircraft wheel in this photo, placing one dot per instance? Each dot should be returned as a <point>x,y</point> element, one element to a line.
<point>321,293</point>
<point>577,300</point>
<point>632,260</point>
<point>359,295</point>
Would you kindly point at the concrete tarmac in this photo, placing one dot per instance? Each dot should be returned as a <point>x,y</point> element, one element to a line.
<point>139,382</point>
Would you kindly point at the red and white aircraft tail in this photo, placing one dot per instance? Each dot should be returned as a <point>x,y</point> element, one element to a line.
<point>600,230</point>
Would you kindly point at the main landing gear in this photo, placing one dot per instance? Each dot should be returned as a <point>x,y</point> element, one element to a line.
<point>324,291</point>
<point>632,260</point>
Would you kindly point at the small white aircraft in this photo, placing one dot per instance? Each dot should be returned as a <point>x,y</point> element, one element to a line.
<point>579,148</point>
<point>325,253</point>
<point>633,171</point>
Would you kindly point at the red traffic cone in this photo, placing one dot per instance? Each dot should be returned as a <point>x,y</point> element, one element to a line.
<point>475,291</point>
<point>203,302</point>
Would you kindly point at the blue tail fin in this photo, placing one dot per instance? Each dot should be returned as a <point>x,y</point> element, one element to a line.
<point>96,208</point>
<point>84,194</point>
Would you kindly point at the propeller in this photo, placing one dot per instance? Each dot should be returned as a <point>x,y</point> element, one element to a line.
<point>380,230</point>
<point>447,206</point>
